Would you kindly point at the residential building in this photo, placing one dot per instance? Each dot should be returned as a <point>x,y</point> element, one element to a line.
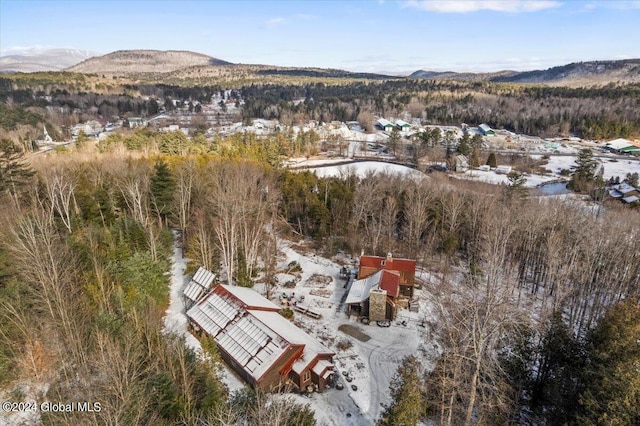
<point>268,351</point>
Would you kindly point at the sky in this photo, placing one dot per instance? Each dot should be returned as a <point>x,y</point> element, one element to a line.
<point>363,35</point>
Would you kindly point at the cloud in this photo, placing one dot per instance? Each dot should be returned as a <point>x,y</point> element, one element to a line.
<point>618,5</point>
<point>274,22</point>
<point>466,6</point>
<point>22,50</point>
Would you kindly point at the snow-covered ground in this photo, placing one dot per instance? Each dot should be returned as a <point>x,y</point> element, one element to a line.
<point>501,179</point>
<point>364,168</point>
<point>556,163</point>
<point>618,167</point>
<point>371,364</point>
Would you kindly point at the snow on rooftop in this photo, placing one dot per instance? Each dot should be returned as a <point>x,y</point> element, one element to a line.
<point>360,289</point>
<point>618,143</point>
<point>250,297</point>
<point>290,332</point>
<point>321,366</point>
<point>252,345</point>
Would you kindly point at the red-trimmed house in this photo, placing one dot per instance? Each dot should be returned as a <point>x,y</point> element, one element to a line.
<point>267,350</point>
<point>383,284</point>
<point>406,269</point>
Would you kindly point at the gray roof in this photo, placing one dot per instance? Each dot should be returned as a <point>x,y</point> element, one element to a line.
<point>359,291</point>
<point>199,284</point>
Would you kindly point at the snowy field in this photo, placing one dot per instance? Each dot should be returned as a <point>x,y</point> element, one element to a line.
<point>620,167</point>
<point>612,167</point>
<point>501,179</point>
<point>362,169</point>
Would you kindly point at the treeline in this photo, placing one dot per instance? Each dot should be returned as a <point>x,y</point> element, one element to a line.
<point>273,150</point>
<point>592,112</point>
<point>596,113</point>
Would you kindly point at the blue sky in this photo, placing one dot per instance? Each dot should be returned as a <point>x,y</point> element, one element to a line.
<point>364,35</point>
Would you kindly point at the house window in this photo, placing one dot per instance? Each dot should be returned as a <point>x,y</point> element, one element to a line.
<point>306,376</point>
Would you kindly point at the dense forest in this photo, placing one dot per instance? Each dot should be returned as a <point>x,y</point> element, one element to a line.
<point>538,301</point>
<point>592,113</point>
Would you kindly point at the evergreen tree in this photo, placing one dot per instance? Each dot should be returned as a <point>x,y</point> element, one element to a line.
<point>14,172</point>
<point>585,173</point>
<point>516,188</point>
<point>491,161</point>
<point>163,187</point>
<point>612,376</point>
<point>561,359</point>
<point>632,179</point>
<point>394,140</point>
<point>464,145</point>
<point>407,404</point>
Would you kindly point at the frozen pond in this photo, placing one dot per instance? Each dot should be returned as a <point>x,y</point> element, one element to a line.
<point>555,188</point>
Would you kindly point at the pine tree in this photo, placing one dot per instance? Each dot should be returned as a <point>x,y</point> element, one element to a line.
<point>14,172</point>
<point>163,187</point>
<point>561,359</point>
<point>407,404</point>
<point>491,161</point>
<point>464,145</point>
<point>585,173</point>
<point>612,376</point>
<point>394,140</point>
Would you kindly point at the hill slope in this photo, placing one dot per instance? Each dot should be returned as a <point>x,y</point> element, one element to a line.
<point>123,62</point>
<point>578,73</point>
<point>38,60</point>
<point>627,70</point>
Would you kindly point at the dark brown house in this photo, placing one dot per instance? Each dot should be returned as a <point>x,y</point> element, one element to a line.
<point>264,348</point>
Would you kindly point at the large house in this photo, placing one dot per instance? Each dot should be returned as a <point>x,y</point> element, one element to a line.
<point>267,350</point>
<point>383,284</point>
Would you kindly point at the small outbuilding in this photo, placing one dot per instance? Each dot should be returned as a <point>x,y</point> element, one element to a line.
<point>402,125</point>
<point>486,130</point>
<point>385,125</point>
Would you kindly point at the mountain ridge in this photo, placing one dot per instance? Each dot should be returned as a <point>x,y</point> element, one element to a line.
<point>38,60</point>
<point>601,71</point>
<point>144,61</point>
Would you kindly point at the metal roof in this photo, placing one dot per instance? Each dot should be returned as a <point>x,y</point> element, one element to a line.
<point>199,284</point>
<point>359,291</point>
<point>246,327</point>
<point>251,298</point>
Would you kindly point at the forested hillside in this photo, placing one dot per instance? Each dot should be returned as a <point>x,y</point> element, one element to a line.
<point>537,298</point>
<point>597,113</point>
